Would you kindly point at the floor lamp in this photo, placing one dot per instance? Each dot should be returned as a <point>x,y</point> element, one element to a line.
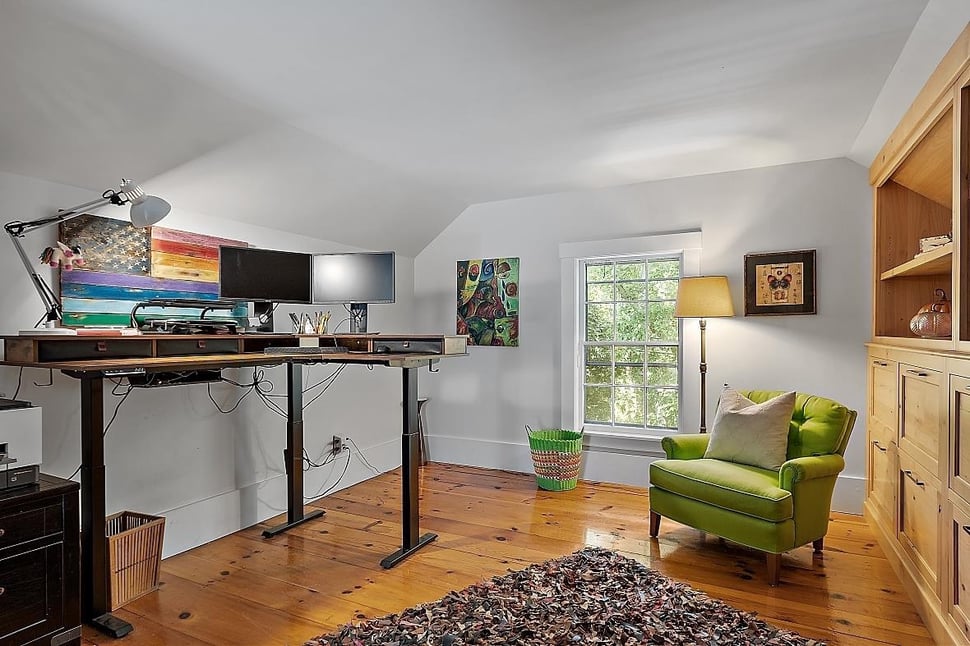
<point>703,297</point>
<point>145,211</point>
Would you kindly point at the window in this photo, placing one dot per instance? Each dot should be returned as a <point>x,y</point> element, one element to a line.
<point>630,341</point>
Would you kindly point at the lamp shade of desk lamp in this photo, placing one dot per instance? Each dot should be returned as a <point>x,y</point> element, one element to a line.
<point>703,297</point>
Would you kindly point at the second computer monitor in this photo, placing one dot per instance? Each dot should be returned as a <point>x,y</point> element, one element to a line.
<point>355,278</point>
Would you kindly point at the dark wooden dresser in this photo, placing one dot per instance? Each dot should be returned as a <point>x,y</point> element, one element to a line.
<point>40,584</point>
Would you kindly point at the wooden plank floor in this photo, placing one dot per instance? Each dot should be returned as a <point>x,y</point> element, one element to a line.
<point>245,590</point>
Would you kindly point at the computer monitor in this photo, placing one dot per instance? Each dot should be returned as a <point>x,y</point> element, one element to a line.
<point>355,278</point>
<point>252,274</point>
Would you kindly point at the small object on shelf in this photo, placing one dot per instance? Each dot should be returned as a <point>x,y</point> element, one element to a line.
<point>932,242</point>
<point>933,320</point>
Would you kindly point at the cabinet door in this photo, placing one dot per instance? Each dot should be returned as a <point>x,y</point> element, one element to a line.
<point>30,602</point>
<point>919,517</point>
<point>883,395</point>
<point>922,411</point>
<point>882,478</point>
<point>959,471</point>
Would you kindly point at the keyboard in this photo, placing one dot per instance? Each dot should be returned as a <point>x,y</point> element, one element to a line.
<point>323,349</point>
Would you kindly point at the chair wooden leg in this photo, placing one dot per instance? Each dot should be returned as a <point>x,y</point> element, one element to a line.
<point>818,545</point>
<point>774,568</point>
<point>654,523</point>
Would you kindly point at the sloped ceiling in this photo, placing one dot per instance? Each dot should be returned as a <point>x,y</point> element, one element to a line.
<point>376,122</point>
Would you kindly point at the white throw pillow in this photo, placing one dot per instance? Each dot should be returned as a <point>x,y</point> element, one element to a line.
<point>750,433</point>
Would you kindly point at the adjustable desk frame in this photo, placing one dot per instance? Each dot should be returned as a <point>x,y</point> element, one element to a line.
<point>95,596</point>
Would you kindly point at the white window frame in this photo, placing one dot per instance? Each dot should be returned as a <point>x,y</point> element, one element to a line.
<point>572,255</point>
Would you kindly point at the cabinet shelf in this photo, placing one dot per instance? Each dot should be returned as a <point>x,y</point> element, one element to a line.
<point>938,262</point>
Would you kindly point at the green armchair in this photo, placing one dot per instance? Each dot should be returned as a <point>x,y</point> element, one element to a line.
<point>772,511</point>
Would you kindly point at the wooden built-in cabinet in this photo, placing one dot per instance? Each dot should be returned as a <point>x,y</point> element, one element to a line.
<point>918,423</point>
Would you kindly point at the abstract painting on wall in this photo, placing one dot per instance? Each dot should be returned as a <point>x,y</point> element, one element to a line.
<point>124,265</point>
<point>488,301</point>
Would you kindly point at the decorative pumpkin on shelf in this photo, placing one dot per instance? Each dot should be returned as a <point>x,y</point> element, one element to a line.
<point>933,320</point>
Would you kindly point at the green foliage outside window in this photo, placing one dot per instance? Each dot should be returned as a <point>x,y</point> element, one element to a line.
<point>630,375</point>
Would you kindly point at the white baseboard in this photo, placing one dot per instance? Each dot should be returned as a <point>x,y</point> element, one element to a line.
<point>203,521</point>
<point>606,460</point>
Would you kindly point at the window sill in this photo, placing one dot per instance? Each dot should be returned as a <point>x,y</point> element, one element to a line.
<point>630,443</point>
<point>652,435</point>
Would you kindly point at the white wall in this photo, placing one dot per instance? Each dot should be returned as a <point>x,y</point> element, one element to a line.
<point>170,452</point>
<point>481,404</point>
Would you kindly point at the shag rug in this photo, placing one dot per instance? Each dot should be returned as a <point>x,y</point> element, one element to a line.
<point>594,596</point>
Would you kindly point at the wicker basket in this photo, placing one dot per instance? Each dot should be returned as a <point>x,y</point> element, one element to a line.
<point>557,455</point>
<point>134,555</point>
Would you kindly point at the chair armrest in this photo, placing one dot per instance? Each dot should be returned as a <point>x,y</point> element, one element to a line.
<point>685,446</point>
<point>809,468</point>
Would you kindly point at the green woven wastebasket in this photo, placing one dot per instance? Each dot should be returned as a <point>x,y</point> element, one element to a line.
<point>556,454</point>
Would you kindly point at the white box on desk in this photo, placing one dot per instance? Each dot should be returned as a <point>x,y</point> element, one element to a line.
<point>20,433</point>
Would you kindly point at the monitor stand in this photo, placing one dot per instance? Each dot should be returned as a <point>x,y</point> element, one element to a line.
<point>263,312</point>
<point>358,318</point>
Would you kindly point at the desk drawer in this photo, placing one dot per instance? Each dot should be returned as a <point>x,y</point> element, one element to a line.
<point>184,347</point>
<point>407,345</point>
<point>30,524</point>
<point>93,349</point>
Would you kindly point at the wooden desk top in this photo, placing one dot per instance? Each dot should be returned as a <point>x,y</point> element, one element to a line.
<point>212,361</point>
<point>170,353</point>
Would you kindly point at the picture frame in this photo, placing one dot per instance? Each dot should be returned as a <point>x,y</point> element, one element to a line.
<point>780,283</point>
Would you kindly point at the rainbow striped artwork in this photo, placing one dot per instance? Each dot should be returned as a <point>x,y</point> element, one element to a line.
<point>125,265</point>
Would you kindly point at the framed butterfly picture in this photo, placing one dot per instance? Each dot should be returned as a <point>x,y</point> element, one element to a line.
<point>782,282</point>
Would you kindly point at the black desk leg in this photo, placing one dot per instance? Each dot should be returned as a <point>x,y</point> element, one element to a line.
<point>411,542</point>
<point>293,456</point>
<point>95,596</point>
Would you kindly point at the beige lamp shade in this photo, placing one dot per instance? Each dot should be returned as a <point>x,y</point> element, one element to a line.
<point>703,297</point>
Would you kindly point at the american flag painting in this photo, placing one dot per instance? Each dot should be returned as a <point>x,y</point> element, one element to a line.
<point>124,266</point>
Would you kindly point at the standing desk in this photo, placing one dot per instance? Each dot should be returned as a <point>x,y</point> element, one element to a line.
<point>92,359</point>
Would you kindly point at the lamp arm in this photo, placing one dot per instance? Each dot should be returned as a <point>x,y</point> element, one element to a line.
<point>17,230</point>
<point>51,303</point>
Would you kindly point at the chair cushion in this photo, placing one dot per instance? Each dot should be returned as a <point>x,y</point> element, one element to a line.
<point>737,487</point>
<point>750,433</point>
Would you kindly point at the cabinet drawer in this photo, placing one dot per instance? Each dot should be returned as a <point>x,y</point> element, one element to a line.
<point>31,598</point>
<point>29,524</point>
<point>919,510</point>
<point>922,411</point>
<point>959,471</point>
<point>882,478</point>
<point>883,385</point>
<point>958,539</point>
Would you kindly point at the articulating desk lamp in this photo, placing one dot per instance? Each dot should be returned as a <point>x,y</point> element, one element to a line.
<point>703,297</point>
<point>146,210</point>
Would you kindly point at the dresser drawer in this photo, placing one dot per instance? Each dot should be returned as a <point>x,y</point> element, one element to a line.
<point>31,604</point>
<point>28,524</point>
<point>919,510</point>
<point>922,415</point>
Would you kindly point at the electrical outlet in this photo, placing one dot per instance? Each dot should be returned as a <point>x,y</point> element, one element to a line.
<point>337,445</point>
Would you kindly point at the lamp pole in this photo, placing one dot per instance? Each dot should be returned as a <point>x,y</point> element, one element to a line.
<point>703,326</point>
